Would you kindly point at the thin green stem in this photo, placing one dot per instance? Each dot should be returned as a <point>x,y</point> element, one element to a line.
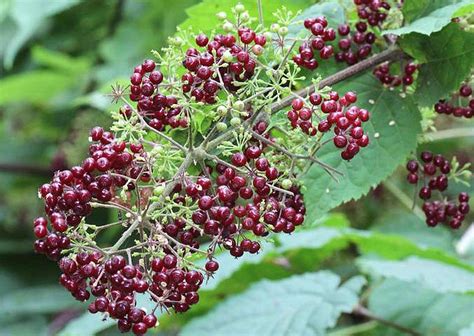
<point>452,133</point>
<point>362,311</point>
<point>125,235</point>
<point>406,200</point>
<point>355,329</point>
<point>260,12</point>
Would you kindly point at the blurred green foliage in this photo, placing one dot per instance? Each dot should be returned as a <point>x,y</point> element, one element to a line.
<point>58,60</point>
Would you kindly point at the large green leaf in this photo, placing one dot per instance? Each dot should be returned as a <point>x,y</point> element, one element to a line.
<point>428,16</point>
<point>87,325</point>
<point>426,311</point>
<point>27,17</point>
<point>29,325</point>
<point>395,247</point>
<point>36,300</point>
<point>41,86</point>
<point>427,273</point>
<point>392,129</point>
<point>203,15</point>
<point>301,305</point>
<point>408,225</point>
<point>59,61</point>
<point>468,331</point>
<point>447,57</point>
<point>303,251</point>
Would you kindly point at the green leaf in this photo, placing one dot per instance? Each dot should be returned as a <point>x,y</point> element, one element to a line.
<point>426,273</point>
<point>309,239</point>
<point>303,251</point>
<point>274,261</point>
<point>333,11</point>
<point>41,85</point>
<point>36,300</point>
<point>426,311</point>
<point>29,325</point>
<point>427,16</point>
<point>8,282</point>
<point>408,225</point>
<point>28,17</point>
<point>448,58</point>
<point>87,324</point>
<point>301,305</point>
<point>392,129</point>
<point>468,331</point>
<point>59,61</point>
<point>396,247</point>
<point>203,15</point>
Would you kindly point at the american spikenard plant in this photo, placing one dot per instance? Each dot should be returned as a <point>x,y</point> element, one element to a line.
<point>206,152</point>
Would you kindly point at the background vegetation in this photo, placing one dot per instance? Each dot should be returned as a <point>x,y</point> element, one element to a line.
<point>58,60</point>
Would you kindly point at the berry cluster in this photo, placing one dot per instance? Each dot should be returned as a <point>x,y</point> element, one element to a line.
<point>67,198</point>
<point>347,120</point>
<point>246,195</point>
<point>382,73</point>
<point>464,95</point>
<point>158,109</point>
<point>372,11</point>
<point>224,60</point>
<point>113,283</point>
<point>434,170</point>
<point>316,43</point>
<point>242,196</point>
<point>354,47</point>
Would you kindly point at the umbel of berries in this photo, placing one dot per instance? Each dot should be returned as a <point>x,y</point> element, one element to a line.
<point>384,75</point>
<point>222,61</point>
<point>335,114</point>
<point>460,104</point>
<point>316,46</point>
<point>430,174</point>
<point>192,165</point>
<point>354,46</point>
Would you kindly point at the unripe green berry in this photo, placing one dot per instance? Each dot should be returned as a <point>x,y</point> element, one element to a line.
<point>227,56</point>
<point>221,126</point>
<point>221,15</point>
<point>235,121</point>
<point>239,105</point>
<point>157,191</point>
<point>283,31</point>
<point>275,27</point>
<point>268,36</point>
<point>244,17</point>
<point>239,8</point>
<point>222,110</point>
<point>286,184</point>
<point>227,26</point>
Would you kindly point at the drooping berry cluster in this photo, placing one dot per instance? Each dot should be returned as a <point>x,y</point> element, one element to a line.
<point>207,72</point>
<point>345,120</point>
<point>382,73</point>
<point>316,43</point>
<point>245,196</point>
<point>354,47</point>
<point>67,198</point>
<point>372,11</point>
<point>433,171</point>
<point>158,109</point>
<point>460,105</point>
